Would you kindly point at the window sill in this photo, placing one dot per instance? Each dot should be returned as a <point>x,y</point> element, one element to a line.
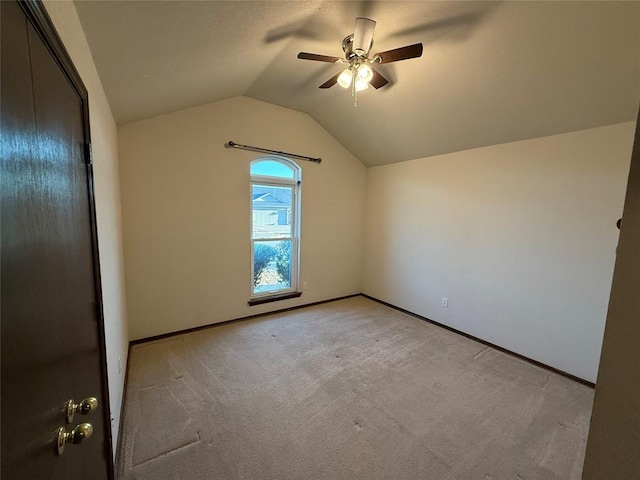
<point>274,298</point>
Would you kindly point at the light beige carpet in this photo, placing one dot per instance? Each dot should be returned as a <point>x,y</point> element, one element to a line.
<point>346,390</point>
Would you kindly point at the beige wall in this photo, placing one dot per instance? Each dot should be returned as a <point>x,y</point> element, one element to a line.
<point>613,449</point>
<point>519,237</point>
<point>107,190</point>
<point>186,208</point>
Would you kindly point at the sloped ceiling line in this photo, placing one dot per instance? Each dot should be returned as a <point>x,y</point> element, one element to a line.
<point>491,72</point>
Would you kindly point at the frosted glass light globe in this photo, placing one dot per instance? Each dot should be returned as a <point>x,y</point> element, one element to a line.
<point>365,73</point>
<point>361,84</point>
<point>344,80</point>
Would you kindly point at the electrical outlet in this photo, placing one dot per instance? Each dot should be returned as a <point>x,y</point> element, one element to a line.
<point>305,285</point>
<point>445,302</point>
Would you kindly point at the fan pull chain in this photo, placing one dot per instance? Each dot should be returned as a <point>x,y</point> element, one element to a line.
<point>354,91</point>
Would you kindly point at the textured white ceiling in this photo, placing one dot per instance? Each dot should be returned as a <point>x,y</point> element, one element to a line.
<point>491,72</point>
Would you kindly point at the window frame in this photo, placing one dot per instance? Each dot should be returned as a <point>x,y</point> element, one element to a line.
<point>295,184</point>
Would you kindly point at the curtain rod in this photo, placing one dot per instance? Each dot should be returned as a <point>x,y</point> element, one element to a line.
<point>231,144</point>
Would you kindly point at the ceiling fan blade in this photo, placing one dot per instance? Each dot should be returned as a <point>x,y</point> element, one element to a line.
<point>402,53</point>
<point>318,58</point>
<point>363,35</point>
<point>331,82</point>
<point>378,80</point>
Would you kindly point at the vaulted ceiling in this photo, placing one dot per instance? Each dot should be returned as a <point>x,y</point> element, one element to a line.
<point>491,72</point>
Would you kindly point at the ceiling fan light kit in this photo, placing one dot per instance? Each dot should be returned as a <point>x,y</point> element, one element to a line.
<point>359,73</point>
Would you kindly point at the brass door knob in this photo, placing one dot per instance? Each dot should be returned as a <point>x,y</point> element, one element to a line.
<point>85,407</point>
<point>77,435</point>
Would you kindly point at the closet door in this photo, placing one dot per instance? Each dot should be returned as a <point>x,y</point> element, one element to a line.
<point>52,349</point>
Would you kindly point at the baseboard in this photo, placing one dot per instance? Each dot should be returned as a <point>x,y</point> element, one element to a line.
<point>484,342</point>
<point>234,320</point>
<point>390,305</point>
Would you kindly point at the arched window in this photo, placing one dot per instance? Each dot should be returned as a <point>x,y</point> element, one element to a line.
<point>275,227</point>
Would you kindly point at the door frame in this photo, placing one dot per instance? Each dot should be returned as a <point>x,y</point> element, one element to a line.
<point>39,18</point>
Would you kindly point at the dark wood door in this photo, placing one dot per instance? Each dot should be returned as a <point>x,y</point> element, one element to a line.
<point>613,448</point>
<point>52,349</point>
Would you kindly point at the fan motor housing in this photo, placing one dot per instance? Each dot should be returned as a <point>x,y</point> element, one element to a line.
<point>347,47</point>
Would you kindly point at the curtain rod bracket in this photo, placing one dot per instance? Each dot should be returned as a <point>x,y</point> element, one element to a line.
<point>232,144</point>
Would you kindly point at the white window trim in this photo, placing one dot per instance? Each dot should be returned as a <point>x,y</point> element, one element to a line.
<point>296,183</point>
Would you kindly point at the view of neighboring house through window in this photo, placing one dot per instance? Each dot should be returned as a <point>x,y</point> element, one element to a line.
<point>275,188</point>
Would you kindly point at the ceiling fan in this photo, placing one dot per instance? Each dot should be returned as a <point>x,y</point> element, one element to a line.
<point>359,73</point>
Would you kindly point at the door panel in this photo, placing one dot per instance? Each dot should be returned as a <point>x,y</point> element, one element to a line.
<point>613,448</point>
<point>50,336</point>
